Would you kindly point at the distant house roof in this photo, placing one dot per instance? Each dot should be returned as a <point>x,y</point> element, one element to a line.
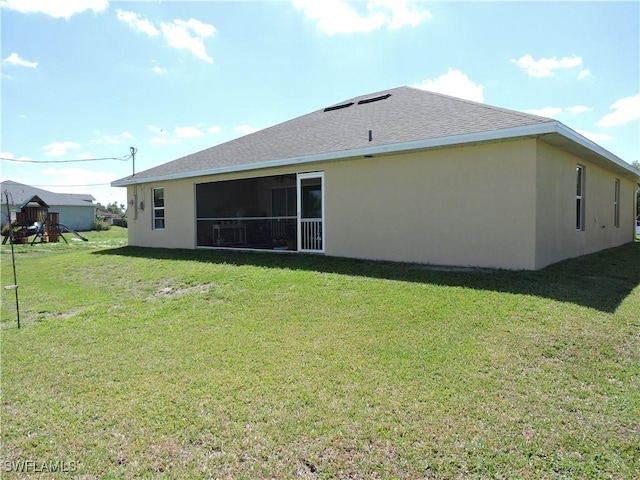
<point>397,120</point>
<point>103,214</point>
<point>19,194</point>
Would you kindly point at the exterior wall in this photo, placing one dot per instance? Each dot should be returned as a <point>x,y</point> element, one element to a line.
<point>507,204</point>
<point>556,234</point>
<point>180,209</point>
<point>76,218</point>
<point>466,206</point>
<point>179,215</point>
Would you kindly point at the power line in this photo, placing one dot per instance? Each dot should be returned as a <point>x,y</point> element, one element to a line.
<point>120,159</point>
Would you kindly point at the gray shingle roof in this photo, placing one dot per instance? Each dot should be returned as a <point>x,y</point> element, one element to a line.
<point>395,116</point>
<point>20,193</point>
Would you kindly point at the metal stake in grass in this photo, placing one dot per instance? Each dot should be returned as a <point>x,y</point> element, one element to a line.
<point>13,287</point>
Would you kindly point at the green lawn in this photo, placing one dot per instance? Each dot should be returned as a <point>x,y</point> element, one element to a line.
<point>139,363</point>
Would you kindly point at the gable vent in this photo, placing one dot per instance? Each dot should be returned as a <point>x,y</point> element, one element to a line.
<point>338,107</point>
<point>374,99</point>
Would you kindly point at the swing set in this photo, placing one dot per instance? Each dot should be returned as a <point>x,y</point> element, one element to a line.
<point>35,220</point>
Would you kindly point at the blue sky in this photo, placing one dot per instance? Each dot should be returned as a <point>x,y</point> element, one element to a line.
<point>84,79</point>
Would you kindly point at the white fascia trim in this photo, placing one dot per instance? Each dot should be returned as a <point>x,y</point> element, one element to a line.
<point>594,147</point>
<point>515,132</point>
<point>528,130</point>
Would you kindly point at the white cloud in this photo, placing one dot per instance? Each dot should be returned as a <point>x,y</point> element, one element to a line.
<point>584,74</point>
<point>454,83</point>
<point>339,16</point>
<point>179,34</point>
<point>245,129</point>
<point>201,29</point>
<point>578,109</point>
<point>116,139</point>
<point>10,155</point>
<point>336,16</point>
<point>57,149</point>
<point>161,136</point>
<point>545,67</point>
<point>188,132</point>
<point>625,110</point>
<point>189,35</point>
<point>401,14</point>
<point>160,140</point>
<point>594,137</point>
<point>55,8</point>
<point>164,137</point>
<point>136,22</point>
<point>157,130</point>
<point>15,59</point>
<point>157,68</point>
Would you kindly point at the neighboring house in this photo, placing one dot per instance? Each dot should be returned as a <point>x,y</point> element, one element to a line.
<point>111,218</point>
<point>403,175</point>
<point>77,211</point>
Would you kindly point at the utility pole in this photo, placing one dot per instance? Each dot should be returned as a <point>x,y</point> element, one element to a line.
<point>133,151</point>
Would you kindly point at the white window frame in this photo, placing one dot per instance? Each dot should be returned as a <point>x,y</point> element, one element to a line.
<point>616,203</point>
<point>580,189</point>
<point>300,178</point>
<point>157,208</point>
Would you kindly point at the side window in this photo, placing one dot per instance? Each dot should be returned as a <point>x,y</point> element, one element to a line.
<point>158,208</point>
<point>579,197</point>
<point>616,203</point>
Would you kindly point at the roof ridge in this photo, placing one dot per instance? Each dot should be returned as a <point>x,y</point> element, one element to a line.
<point>488,106</point>
<point>365,96</point>
<point>29,190</point>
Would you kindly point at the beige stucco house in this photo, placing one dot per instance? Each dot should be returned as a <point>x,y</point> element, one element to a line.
<point>403,175</point>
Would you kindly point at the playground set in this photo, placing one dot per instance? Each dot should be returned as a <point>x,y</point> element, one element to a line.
<point>34,219</point>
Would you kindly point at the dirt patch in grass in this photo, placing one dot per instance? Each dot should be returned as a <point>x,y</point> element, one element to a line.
<point>59,315</point>
<point>28,317</point>
<point>166,290</point>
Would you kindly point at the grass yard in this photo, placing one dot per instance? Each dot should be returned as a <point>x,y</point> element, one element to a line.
<point>139,363</point>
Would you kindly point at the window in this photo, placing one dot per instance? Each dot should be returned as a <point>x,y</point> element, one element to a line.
<point>616,203</point>
<point>579,197</point>
<point>312,201</point>
<point>158,208</point>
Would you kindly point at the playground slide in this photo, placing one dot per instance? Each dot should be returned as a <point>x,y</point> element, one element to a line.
<point>64,228</point>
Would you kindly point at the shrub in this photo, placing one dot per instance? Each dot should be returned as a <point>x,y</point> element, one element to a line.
<point>101,225</point>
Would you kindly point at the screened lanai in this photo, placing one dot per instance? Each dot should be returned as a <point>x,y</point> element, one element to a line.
<point>260,213</point>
